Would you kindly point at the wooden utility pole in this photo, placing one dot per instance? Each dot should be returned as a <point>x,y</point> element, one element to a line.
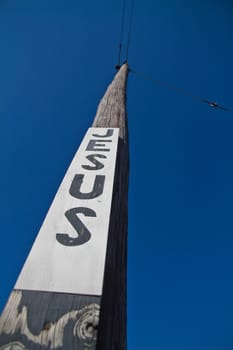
<point>71,293</point>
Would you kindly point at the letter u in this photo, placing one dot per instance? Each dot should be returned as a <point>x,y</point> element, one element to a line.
<point>97,190</point>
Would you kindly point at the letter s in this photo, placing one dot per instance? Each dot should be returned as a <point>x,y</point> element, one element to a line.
<point>83,233</point>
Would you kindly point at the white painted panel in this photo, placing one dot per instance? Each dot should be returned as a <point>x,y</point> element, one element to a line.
<point>79,269</point>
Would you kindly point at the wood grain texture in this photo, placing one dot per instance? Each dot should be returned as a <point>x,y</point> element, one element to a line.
<point>112,327</point>
<point>45,320</point>
<point>34,320</point>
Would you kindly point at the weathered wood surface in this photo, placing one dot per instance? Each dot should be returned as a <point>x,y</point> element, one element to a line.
<point>112,327</point>
<point>47,320</point>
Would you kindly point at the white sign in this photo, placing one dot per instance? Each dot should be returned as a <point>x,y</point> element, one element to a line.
<point>68,255</point>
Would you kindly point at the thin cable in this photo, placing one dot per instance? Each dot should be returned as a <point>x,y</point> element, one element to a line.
<point>130,29</point>
<point>121,32</point>
<point>213,104</point>
<point>180,91</point>
<point>166,85</point>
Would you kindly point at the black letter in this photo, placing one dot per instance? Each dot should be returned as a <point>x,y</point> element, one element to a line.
<point>96,191</point>
<point>109,134</point>
<point>83,233</point>
<point>91,158</point>
<point>97,143</point>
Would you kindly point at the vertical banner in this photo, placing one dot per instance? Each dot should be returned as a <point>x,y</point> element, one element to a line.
<point>68,255</point>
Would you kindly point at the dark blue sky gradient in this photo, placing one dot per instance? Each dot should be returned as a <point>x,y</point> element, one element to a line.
<point>56,60</point>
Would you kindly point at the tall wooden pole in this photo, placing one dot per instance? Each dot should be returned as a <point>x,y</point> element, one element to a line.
<point>71,293</point>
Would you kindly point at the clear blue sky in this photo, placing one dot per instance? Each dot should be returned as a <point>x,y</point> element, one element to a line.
<point>56,59</point>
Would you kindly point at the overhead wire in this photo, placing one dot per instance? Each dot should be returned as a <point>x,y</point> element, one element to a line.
<point>175,88</point>
<point>180,91</point>
<point>121,32</point>
<point>130,29</point>
<point>122,29</point>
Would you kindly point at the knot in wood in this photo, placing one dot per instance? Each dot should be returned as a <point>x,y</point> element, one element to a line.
<point>87,325</point>
<point>47,326</point>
